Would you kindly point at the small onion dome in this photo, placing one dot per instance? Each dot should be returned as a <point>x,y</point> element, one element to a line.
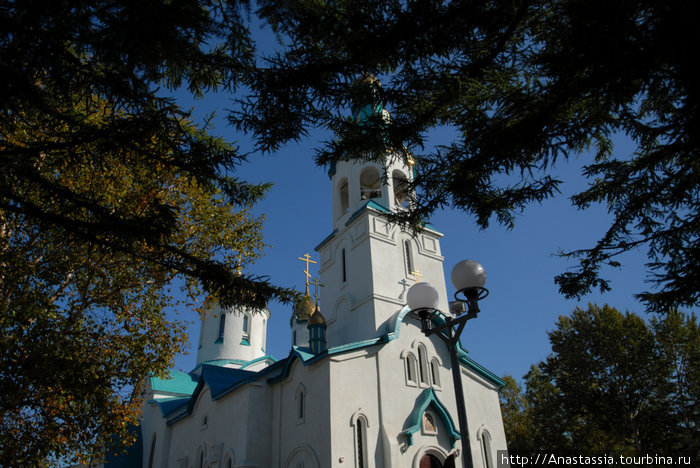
<point>316,318</point>
<point>304,308</point>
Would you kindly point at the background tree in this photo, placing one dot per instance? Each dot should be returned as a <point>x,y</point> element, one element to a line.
<point>520,84</point>
<point>109,197</point>
<point>613,384</point>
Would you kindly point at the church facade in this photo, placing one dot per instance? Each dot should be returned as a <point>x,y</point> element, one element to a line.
<point>361,387</point>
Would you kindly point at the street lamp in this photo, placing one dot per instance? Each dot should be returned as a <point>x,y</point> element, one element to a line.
<point>469,278</point>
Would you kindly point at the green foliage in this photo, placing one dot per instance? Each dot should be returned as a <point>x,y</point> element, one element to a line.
<point>109,197</point>
<point>613,384</point>
<point>521,85</point>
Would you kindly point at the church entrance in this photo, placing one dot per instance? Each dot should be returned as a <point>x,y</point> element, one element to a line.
<point>430,461</point>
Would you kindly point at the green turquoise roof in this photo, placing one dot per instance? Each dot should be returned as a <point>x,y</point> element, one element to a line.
<point>179,383</point>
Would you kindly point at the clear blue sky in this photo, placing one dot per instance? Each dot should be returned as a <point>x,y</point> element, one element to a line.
<point>510,333</point>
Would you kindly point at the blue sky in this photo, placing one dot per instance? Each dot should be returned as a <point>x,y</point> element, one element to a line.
<point>510,333</point>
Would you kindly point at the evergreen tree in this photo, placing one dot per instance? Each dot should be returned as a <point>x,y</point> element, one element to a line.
<point>109,197</point>
<point>521,84</point>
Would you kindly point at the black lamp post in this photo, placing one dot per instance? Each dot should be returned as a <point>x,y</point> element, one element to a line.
<point>469,278</point>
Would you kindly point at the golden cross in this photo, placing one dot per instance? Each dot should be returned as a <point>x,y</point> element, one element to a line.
<point>307,259</point>
<point>316,283</point>
<point>418,275</point>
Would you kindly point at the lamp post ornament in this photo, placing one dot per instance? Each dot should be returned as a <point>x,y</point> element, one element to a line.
<point>469,278</point>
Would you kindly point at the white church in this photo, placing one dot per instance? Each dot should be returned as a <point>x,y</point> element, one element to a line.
<point>361,387</point>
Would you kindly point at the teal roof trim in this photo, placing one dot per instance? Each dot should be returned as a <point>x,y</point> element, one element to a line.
<point>428,399</point>
<point>479,369</point>
<point>368,204</point>
<point>326,240</point>
<point>268,357</point>
<point>393,329</point>
<point>179,383</point>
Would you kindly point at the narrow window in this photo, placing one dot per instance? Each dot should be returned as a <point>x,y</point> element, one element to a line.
<point>200,461</point>
<point>345,266</point>
<point>245,324</point>
<point>435,372</point>
<point>294,337</point>
<point>486,449</point>
<point>301,405</point>
<point>360,445</point>
<point>408,256</point>
<point>422,366</point>
<point>344,197</point>
<point>361,426</point>
<point>222,325</point>
<point>153,451</point>
<point>411,378</point>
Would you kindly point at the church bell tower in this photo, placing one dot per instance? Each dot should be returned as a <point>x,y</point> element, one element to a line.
<point>367,264</point>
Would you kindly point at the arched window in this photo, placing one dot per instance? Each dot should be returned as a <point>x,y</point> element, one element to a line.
<point>300,400</point>
<point>411,371</point>
<point>360,423</point>
<point>401,191</point>
<point>486,454</point>
<point>435,372</point>
<point>423,366</point>
<point>370,183</point>
<point>343,197</point>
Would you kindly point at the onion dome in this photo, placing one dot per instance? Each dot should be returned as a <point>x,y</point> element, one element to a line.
<point>316,318</point>
<point>304,308</point>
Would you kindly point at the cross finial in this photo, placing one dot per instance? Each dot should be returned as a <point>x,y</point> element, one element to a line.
<point>307,258</point>
<point>418,275</point>
<point>318,284</point>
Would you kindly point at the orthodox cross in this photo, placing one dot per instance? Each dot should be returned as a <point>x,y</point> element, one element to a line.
<point>307,258</point>
<point>418,275</point>
<point>318,284</point>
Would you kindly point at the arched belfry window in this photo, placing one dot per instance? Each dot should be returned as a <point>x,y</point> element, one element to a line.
<point>370,183</point>
<point>401,188</point>
<point>343,197</point>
